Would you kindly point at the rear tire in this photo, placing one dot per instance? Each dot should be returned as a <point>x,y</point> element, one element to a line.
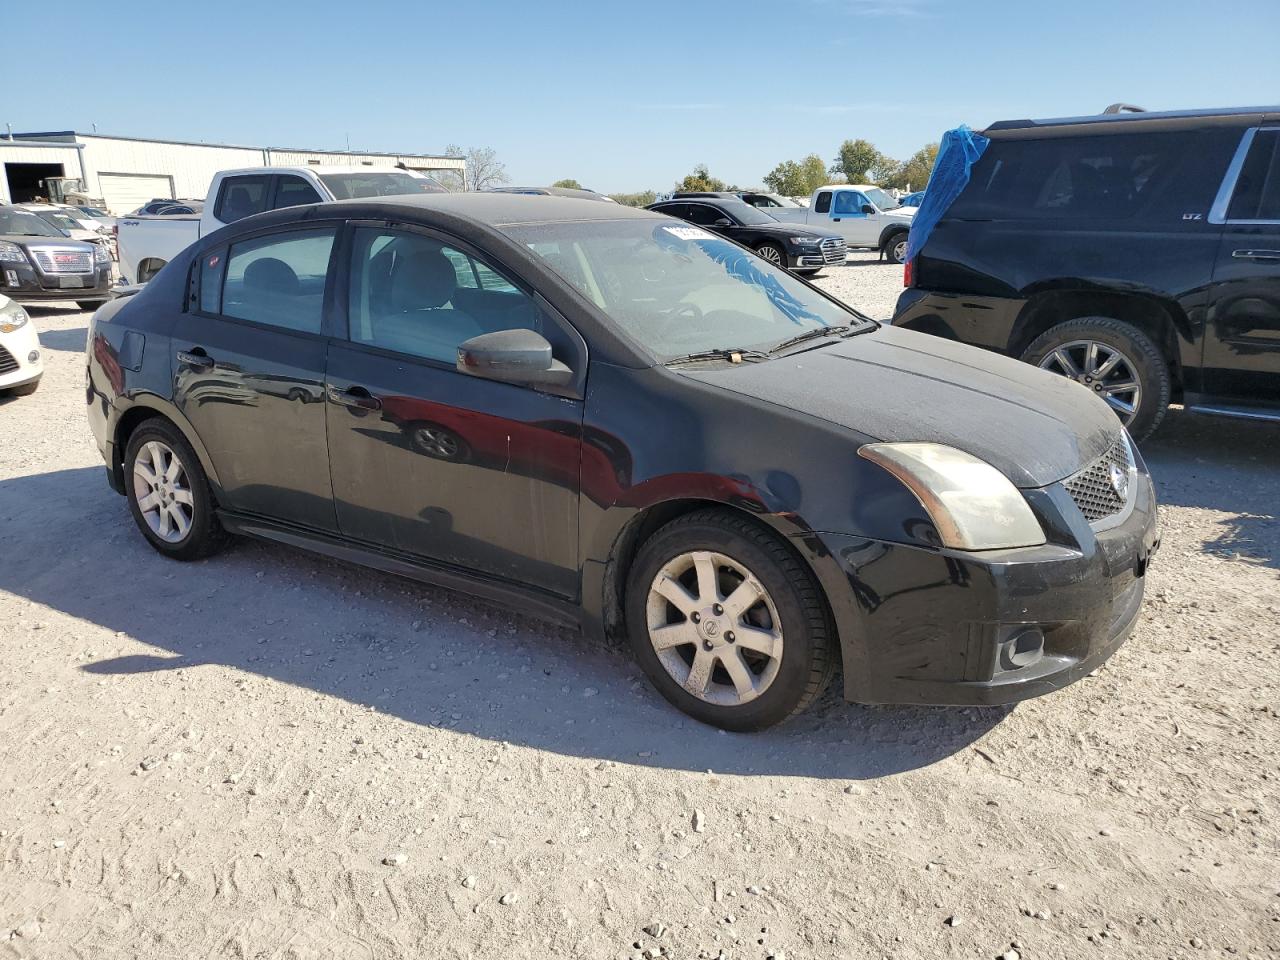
<point>177,516</point>
<point>782,612</point>
<point>895,247</point>
<point>773,253</point>
<point>1065,347</point>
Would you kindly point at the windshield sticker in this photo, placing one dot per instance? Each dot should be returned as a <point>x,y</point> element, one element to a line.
<point>689,233</point>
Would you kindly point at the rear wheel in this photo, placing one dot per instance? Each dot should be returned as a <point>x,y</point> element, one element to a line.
<point>895,247</point>
<point>727,622</point>
<point>1115,360</point>
<point>168,493</point>
<point>773,253</point>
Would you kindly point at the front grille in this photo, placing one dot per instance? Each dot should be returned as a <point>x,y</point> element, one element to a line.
<point>7,363</point>
<point>1092,489</point>
<point>834,250</point>
<point>60,260</point>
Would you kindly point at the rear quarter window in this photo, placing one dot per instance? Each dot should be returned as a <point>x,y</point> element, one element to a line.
<point>1152,176</point>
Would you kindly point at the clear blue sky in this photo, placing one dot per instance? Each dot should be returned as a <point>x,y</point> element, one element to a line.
<point>624,96</point>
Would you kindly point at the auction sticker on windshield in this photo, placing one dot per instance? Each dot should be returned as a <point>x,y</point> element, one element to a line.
<point>689,233</point>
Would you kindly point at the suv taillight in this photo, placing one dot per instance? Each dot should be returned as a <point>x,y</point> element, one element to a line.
<point>908,273</point>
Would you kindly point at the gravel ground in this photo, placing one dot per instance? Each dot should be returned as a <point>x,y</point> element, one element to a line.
<point>271,755</point>
<point>865,282</point>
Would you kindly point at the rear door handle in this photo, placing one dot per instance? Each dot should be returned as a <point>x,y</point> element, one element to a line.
<point>196,358</point>
<point>354,397</point>
<point>1256,254</point>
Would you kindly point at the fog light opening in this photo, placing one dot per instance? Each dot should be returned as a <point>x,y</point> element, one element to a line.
<point>1022,650</point>
<point>33,356</point>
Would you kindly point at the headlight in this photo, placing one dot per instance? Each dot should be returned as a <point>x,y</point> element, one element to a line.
<point>11,318</point>
<point>101,254</point>
<point>973,505</point>
<point>11,252</point>
<point>805,241</point>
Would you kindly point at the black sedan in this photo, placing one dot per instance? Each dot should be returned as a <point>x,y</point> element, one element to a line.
<point>609,418</point>
<point>805,250</point>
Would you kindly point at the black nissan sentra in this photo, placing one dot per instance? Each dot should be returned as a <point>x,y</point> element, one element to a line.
<point>616,419</point>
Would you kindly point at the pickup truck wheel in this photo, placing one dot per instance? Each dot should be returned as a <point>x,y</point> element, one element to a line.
<point>727,622</point>
<point>895,247</point>
<point>773,253</point>
<point>1115,360</point>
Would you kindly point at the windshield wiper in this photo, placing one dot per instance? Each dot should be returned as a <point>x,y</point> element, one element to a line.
<point>828,331</point>
<point>719,353</point>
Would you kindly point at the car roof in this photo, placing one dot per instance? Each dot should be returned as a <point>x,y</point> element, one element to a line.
<point>504,209</point>
<point>1235,116</point>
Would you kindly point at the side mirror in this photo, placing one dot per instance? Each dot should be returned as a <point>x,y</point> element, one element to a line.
<point>723,222</point>
<point>868,209</point>
<point>513,356</point>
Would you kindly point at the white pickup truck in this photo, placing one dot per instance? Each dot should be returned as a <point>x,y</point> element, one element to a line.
<point>147,243</point>
<point>865,216</point>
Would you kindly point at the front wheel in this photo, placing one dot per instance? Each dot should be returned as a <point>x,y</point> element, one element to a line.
<point>895,248</point>
<point>773,253</point>
<point>1115,360</point>
<point>727,622</point>
<point>89,305</point>
<point>169,495</point>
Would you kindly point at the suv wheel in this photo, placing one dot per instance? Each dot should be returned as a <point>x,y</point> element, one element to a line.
<point>727,622</point>
<point>1116,361</point>
<point>895,247</point>
<point>168,493</point>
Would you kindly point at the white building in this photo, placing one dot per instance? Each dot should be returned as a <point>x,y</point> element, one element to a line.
<point>126,172</point>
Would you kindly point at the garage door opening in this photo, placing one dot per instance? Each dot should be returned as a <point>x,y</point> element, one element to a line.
<point>125,192</point>
<point>25,180</point>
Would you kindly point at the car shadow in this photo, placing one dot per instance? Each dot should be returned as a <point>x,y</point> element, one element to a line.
<point>71,340</point>
<point>425,655</point>
<point>1225,465</point>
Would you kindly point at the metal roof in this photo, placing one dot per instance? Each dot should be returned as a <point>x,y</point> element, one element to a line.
<point>232,146</point>
<point>1168,117</point>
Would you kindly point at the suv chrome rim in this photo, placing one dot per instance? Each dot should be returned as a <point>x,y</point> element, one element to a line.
<point>162,491</point>
<point>1103,369</point>
<point>771,254</point>
<point>714,628</point>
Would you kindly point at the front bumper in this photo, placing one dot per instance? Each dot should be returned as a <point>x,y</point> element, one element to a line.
<point>829,253</point>
<point>928,626</point>
<point>24,283</point>
<point>16,349</point>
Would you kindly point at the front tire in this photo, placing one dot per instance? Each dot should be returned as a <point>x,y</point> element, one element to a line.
<point>727,622</point>
<point>1115,360</point>
<point>773,253</point>
<point>895,247</point>
<point>169,495</point>
<point>89,305</point>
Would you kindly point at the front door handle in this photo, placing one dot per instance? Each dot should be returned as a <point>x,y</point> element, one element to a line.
<point>835,219</point>
<point>357,397</point>
<point>195,358</point>
<point>1256,254</point>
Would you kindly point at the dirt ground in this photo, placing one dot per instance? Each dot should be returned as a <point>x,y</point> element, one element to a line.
<point>271,755</point>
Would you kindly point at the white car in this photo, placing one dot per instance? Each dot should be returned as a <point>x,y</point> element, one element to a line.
<point>20,362</point>
<point>67,219</point>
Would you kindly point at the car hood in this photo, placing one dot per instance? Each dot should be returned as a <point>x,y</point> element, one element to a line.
<point>794,230</point>
<point>24,240</point>
<point>897,385</point>
<point>902,213</point>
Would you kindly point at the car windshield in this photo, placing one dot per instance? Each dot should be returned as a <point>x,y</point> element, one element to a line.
<point>390,183</point>
<point>23,224</point>
<point>881,199</point>
<point>60,219</point>
<point>781,200</point>
<point>677,289</point>
<point>94,212</point>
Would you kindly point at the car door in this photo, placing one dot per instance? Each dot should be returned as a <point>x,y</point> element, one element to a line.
<point>823,215</point>
<point>428,461</point>
<point>249,361</point>
<point>847,215</point>
<point>1242,342</point>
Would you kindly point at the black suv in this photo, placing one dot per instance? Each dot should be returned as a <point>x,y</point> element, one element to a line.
<point>805,250</point>
<point>1138,254</point>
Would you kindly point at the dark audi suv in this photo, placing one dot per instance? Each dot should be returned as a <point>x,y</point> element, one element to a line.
<point>40,262</point>
<point>604,417</point>
<point>1136,253</point>
<point>805,250</point>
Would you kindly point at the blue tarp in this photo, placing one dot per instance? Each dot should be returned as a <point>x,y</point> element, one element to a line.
<point>957,153</point>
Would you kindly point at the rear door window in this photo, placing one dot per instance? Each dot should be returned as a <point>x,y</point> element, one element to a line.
<point>1257,193</point>
<point>823,203</point>
<point>241,197</point>
<point>278,280</point>
<point>294,191</point>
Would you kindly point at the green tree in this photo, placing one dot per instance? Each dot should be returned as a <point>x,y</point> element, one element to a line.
<point>569,183</point>
<point>701,180</point>
<point>641,199</point>
<point>797,178</point>
<point>914,173</point>
<point>861,162</point>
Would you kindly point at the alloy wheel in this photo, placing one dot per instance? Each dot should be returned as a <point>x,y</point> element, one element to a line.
<point>163,492</point>
<point>714,628</point>
<point>1103,369</point>
<point>899,250</point>
<point>771,254</point>
<point>436,442</point>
